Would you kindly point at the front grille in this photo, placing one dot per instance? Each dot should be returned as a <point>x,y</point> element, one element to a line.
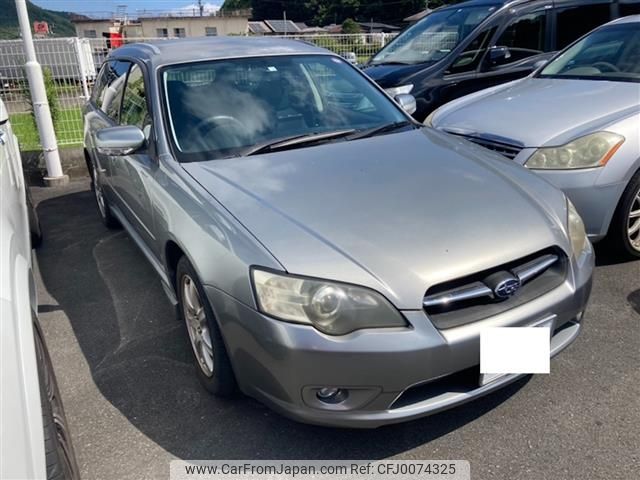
<point>496,290</point>
<point>504,149</point>
<point>462,381</point>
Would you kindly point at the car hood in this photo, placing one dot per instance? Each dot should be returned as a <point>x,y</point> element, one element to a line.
<point>537,112</point>
<point>397,213</point>
<point>393,75</point>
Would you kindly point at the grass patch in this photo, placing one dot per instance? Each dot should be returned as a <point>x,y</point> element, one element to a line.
<point>68,129</point>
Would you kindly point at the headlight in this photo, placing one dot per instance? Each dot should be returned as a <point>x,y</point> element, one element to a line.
<point>393,91</point>
<point>575,226</point>
<point>333,308</point>
<point>592,150</point>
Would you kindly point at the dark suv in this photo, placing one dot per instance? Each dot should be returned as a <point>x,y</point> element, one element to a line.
<point>459,49</point>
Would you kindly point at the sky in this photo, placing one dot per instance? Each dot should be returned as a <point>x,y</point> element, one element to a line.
<point>99,6</point>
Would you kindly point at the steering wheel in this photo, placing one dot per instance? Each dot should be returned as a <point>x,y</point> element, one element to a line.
<point>216,121</point>
<point>608,67</point>
<point>232,132</point>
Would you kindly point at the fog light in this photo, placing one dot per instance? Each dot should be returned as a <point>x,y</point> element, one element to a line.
<point>331,395</point>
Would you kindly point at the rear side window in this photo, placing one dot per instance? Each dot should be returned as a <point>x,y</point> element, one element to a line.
<point>525,36</point>
<point>573,22</point>
<point>109,88</point>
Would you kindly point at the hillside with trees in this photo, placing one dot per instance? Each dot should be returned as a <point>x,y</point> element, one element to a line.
<point>59,22</point>
<point>324,12</point>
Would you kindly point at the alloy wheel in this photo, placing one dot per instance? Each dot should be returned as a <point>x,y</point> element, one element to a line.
<point>197,326</point>
<point>633,227</point>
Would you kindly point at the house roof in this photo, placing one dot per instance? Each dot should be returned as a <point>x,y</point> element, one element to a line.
<point>258,27</point>
<point>418,16</point>
<point>314,30</point>
<point>282,26</point>
<point>377,26</point>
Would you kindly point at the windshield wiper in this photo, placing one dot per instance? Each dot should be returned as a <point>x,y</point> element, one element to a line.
<point>370,132</point>
<point>391,62</point>
<point>294,141</point>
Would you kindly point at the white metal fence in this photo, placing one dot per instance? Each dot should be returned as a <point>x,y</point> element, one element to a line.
<point>71,64</point>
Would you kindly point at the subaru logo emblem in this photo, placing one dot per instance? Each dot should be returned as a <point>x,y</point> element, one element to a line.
<point>506,288</point>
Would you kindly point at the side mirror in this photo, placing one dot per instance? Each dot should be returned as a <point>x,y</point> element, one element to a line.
<point>4,114</point>
<point>119,140</point>
<point>407,102</point>
<point>499,55</point>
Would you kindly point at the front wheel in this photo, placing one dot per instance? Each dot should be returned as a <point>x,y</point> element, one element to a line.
<point>210,354</point>
<point>624,234</point>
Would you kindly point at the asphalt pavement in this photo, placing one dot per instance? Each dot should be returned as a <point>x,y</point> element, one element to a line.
<point>133,402</point>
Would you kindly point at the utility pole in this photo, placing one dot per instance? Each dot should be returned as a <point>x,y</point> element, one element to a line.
<point>201,7</point>
<point>284,18</point>
<point>40,103</point>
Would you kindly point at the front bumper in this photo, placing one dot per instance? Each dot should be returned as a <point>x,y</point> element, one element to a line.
<point>596,203</point>
<point>284,365</point>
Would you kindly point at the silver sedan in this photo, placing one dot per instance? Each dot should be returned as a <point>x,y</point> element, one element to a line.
<point>575,122</point>
<point>329,256</point>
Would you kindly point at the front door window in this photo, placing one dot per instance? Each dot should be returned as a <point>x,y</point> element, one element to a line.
<point>524,37</point>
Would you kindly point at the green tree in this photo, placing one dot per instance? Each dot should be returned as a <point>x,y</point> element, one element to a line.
<point>350,26</point>
<point>52,96</point>
<point>236,4</point>
<point>324,12</point>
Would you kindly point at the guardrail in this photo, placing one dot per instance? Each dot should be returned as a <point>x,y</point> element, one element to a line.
<point>71,65</point>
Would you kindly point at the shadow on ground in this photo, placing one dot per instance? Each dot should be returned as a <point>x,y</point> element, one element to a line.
<point>140,359</point>
<point>634,300</point>
<point>606,256</point>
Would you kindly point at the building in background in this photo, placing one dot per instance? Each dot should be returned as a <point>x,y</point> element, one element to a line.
<point>172,25</point>
<point>377,27</point>
<point>283,27</point>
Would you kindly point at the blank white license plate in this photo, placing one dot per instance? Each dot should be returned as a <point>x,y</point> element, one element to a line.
<point>515,350</point>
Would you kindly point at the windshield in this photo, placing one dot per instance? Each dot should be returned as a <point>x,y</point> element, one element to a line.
<point>434,37</point>
<point>612,53</point>
<point>224,108</point>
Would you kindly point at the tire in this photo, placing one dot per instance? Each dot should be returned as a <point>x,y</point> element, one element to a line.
<point>59,452</point>
<point>101,200</point>
<point>213,366</point>
<point>34,221</point>
<point>620,237</point>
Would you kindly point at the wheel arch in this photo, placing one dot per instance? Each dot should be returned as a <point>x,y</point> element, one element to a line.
<point>173,252</point>
<point>627,182</point>
<point>89,161</point>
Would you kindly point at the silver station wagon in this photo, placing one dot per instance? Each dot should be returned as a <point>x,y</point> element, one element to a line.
<point>329,256</point>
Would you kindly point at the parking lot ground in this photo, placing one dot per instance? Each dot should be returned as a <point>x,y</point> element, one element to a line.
<point>133,401</point>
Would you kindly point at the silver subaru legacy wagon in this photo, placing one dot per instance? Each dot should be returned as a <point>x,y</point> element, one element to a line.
<point>329,257</point>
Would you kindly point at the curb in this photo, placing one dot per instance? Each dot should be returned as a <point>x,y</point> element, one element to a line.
<point>35,171</point>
